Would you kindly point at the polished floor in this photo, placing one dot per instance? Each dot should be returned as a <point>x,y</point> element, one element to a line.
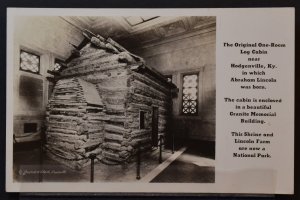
<point>194,165</point>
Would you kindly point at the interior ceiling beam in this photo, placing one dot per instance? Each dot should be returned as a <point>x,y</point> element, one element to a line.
<point>155,29</point>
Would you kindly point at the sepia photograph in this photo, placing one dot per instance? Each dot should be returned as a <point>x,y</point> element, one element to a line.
<point>114,99</point>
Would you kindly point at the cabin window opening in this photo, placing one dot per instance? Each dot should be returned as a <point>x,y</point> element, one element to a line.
<point>142,119</point>
<point>30,127</point>
<point>190,94</point>
<point>29,62</point>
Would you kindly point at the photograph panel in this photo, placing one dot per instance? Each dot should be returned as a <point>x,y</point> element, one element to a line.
<point>114,99</point>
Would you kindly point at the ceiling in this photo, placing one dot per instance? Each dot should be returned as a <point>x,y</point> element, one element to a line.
<point>131,31</point>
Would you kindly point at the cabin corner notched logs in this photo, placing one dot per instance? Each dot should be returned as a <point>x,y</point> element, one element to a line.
<point>96,104</point>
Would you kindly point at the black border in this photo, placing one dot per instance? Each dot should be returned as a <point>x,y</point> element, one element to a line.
<point>136,4</point>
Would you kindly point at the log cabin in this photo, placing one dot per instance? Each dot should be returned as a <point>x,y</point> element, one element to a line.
<point>105,102</point>
<point>90,95</point>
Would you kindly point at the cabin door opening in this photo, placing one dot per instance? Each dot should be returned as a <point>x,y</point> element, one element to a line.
<point>155,126</point>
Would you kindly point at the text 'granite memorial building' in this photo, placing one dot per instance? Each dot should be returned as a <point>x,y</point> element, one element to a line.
<point>110,87</point>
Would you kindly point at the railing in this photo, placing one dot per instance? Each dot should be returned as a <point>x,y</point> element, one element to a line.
<point>92,157</point>
<point>160,148</point>
<point>138,162</point>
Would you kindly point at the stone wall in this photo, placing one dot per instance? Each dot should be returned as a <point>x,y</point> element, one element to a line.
<point>185,54</point>
<point>47,37</point>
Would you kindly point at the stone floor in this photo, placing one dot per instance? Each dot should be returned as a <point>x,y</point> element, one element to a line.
<point>189,167</point>
<point>27,168</point>
<point>194,165</point>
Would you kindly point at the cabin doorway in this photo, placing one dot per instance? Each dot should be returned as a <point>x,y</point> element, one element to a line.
<point>155,126</point>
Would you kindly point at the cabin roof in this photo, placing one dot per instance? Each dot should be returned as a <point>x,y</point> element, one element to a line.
<point>137,63</point>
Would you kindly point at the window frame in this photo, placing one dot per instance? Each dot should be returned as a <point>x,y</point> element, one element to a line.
<point>32,53</point>
<point>198,93</point>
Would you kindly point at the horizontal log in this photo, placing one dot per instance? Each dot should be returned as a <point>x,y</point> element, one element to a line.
<point>67,104</point>
<point>140,132</point>
<point>63,153</point>
<point>134,125</point>
<point>97,54</point>
<point>146,134</point>
<point>95,112</point>
<point>66,81</point>
<point>61,130</point>
<point>66,87</point>
<point>67,113</point>
<point>116,129</point>
<point>144,79</point>
<point>71,164</point>
<point>66,96</point>
<point>106,63</point>
<point>62,145</point>
<point>112,145</point>
<point>66,137</point>
<point>65,91</point>
<point>119,92</point>
<point>117,82</point>
<point>95,125</point>
<point>92,143</point>
<point>116,118</point>
<point>95,130</point>
<point>113,137</point>
<point>115,111</point>
<point>64,118</point>
<point>147,90</point>
<point>139,106</point>
<point>92,70</point>
<point>95,107</point>
<point>138,99</point>
<point>97,118</point>
<point>114,100</point>
<point>54,139</point>
<point>115,71</point>
<point>106,58</point>
<point>95,135</point>
<point>112,156</point>
<point>68,101</point>
<point>64,125</point>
